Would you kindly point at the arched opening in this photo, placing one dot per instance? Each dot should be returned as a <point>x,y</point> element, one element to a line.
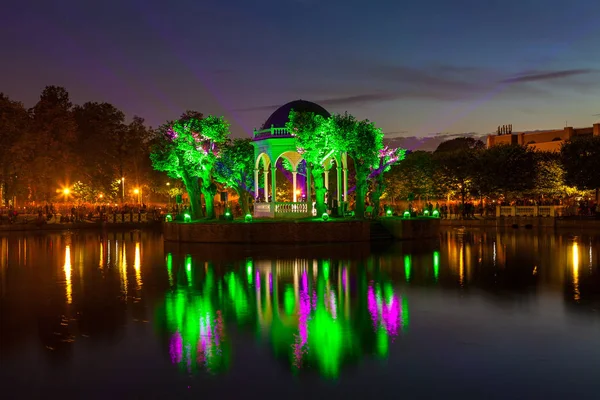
<point>261,178</point>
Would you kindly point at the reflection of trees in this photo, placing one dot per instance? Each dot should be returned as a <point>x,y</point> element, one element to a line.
<point>304,309</point>
<point>193,320</point>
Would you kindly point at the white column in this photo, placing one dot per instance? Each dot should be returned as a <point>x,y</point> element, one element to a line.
<point>273,183</point>
<point>255,184</point>
<point>266,194</point>
<point>294,186</point>
<point>308,190</point>
<point>327,179</point>
<point>339,183</point>
<point>345,184</point>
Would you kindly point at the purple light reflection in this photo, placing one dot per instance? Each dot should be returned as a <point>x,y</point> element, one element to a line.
<point>303,317</point>
<point>176,348</point>
<point>390,316</point>
<point>372,306</point>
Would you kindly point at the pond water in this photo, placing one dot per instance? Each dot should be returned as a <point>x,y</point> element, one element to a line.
<point>475,314</point>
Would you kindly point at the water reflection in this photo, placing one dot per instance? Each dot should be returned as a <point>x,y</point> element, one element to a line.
<point>67,268</point>
<point>194,310</point>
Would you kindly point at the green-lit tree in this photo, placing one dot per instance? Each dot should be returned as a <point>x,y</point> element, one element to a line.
<point>188,149</point>
<point>363,144</point>
<point>314,144</point>
<point>581,159</point>
<point>387,158</point>
<point>235,167</point>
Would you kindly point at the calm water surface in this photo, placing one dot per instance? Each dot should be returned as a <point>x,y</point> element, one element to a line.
<point>472,315</point>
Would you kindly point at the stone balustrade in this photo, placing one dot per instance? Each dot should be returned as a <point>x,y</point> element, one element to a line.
<point>280,210</point>
<point>272,131</point>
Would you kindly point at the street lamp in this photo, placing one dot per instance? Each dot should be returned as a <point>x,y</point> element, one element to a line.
<point>169,193</point>
<point>123,192</point>
<point>138,192</point>
<point>66,191</point>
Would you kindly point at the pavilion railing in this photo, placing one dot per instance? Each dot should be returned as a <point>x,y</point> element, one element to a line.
<point>272,131</point>
<point>291,208</point>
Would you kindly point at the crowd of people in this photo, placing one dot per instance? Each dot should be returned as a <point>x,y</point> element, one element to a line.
<point>74,213</point>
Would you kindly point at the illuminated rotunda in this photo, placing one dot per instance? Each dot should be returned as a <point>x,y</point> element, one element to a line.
<point>272,142</point>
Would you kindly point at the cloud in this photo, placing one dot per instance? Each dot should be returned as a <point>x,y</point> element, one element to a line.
<point>336,101</point>
<point>596,115</point>
<point>544,76</point>
<point>427,143</point>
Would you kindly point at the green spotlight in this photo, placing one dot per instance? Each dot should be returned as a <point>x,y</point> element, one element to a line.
<point>406,214</point>
<point>426,213</point>
<point>248,218</point>
<point>168,218</point>
<point>325,216</point>
<point>388,212</point>
<point>435,214</point>
<point>187,217</point>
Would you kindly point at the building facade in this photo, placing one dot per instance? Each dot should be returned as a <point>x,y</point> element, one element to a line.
<point>550,140</point>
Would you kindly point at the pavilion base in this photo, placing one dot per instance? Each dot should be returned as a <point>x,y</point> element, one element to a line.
<point>267,232</point>
<point>412,228</point>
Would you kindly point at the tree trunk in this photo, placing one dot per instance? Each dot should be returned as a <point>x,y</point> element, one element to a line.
<point>377,193</point>
<point>243,195</point>
<point>319,191</point>
<point>209,200</point>
<point>192,188</point>
<point>361,191</point>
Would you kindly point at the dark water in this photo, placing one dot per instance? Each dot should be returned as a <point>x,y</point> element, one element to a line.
<point>472,315</point>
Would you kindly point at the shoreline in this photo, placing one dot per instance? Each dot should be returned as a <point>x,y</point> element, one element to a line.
<point>79,226</point>
<point>523,223</point>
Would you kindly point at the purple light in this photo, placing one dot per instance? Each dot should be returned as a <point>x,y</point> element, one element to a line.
<point>257,281</point>
<point>344,278</point>
<point>270,283</point>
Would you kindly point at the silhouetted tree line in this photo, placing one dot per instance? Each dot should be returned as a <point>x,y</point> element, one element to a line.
<point>87,148</point>
<point>462,168</point>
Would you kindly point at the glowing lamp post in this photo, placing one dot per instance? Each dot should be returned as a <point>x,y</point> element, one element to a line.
<point>138,192</point>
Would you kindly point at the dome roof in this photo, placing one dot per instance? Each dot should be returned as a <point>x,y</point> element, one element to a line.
<point>280,117</point>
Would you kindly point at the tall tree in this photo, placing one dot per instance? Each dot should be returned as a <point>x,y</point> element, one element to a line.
<point>314,144</point>
<point>506,169</point>
<point>101,131</point>
<point>49,145</point>
<point>455,171</point>
<point>235,167</point>
<point>14,122</point>
<point>581,159</point>
<point>412,175</point>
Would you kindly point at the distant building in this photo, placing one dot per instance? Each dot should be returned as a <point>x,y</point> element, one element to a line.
<point>542,140</point>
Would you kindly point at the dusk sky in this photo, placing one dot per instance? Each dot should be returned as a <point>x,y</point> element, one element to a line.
<point>415,68</point>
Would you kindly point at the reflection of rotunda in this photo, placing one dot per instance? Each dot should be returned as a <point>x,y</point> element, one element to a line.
<point>273,143</point>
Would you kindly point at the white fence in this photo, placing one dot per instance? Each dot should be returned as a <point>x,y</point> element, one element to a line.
<point>529,211</point>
